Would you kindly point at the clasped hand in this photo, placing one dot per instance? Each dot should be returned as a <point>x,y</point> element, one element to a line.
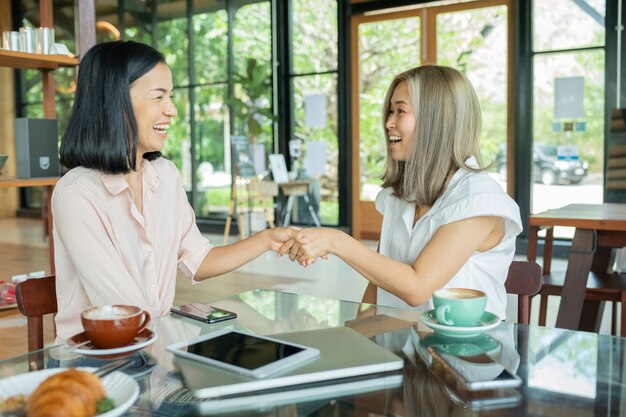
<point>308,245</point>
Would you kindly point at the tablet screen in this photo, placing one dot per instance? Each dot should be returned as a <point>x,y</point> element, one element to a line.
<point>243,350</point>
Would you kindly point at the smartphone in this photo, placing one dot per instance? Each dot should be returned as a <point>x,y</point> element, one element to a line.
<point>244,353</point>
<point>204,312</point>
<point>472,373</point>
<point>487,400</point>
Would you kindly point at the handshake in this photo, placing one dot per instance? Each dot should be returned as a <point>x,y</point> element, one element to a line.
<point>305,245</point>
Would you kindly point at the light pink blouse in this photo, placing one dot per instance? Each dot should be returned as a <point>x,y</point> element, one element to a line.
<point>107,252</point>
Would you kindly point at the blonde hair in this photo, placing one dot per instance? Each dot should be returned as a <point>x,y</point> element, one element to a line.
<point>447,130</point>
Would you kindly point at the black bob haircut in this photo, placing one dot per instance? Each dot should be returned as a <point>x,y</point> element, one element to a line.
<point>102,131</point>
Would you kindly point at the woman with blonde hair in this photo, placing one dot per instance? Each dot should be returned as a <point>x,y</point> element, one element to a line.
<point>446,223</point>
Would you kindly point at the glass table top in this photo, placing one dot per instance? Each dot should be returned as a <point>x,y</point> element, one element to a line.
<point>562,372</point>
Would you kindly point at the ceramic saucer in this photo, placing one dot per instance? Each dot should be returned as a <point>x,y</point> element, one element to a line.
<point>467,346</point>
<point>143,339</point>
<point>487,322</point>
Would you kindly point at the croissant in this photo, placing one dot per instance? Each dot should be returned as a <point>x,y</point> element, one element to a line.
<point>70,393</point>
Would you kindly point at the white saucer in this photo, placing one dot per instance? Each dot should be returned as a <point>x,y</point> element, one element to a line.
<point>143,339</point>
<point>487,322</point>
<point>7,306</point>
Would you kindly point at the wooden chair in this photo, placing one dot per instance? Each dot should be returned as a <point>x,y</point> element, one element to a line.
<point>601,287</point>
<point>592,250</point>
<point>524,280</point>
<point>36,297</point>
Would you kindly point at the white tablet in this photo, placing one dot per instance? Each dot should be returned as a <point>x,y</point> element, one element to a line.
<point>244,353</point>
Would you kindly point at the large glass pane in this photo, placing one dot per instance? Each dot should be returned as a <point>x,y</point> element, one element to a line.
<point>321,137</point>
<point>314,36</point>
<point>475,42</point>
<point>566,24</point>
<point>213,167</point>
<point>568,149</point>
<point>172,40</point>
<point>138,22</point>
<point>252,56</point>
<point>256,43</point>
<point>386,48</point>
<point>65,81</point>
<point>32,88</point>
<point>210,36</point>
<point>178,144</point>
<point>568,105</point>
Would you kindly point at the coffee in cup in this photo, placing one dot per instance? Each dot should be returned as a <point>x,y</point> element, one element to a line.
<point>113,326</point>
<point>459,307</point>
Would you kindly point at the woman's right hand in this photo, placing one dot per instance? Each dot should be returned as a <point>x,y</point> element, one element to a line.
<point>284,237</point>
<point>319,245</point>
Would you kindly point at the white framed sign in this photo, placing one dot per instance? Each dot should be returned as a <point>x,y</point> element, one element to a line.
<point>279,167</point>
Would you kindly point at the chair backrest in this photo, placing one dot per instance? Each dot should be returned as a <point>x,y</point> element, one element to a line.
<point>524,279</point>
<point>36,297</point>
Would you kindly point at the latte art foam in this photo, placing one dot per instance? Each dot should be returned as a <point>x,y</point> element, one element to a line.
<point>110,313</point>
<point>460,293</point>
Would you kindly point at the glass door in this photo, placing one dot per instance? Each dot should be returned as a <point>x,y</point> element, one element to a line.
<point>384,45</point>
<point>476,42</point>
<point>473,37</point>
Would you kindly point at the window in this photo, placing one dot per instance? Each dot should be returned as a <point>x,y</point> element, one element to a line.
<point>313,78</point>
<point>568,105</point>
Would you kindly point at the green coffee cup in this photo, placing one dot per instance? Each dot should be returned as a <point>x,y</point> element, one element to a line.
<point>459,307</point>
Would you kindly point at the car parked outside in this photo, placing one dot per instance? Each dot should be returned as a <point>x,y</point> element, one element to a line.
<point>548,167</point>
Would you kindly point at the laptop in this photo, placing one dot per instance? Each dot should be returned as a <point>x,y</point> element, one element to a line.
<point>312,393</point>
<point>344,353</point>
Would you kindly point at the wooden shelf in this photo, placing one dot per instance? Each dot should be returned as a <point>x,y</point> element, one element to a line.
<point>6,182</point>
<point>24,60</point>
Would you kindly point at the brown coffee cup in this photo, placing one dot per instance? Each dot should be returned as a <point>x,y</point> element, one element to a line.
<point>114,326</point>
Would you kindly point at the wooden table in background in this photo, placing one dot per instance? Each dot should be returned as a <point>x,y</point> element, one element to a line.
<point>48,185</point>
<point>599,229</point>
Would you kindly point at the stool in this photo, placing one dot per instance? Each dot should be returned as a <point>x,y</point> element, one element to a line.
<point>294,189</point>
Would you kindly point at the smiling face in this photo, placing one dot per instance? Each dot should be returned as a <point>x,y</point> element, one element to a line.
<point>400,123</point>
<point>151,97</point>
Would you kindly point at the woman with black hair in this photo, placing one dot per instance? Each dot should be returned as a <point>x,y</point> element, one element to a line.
<point>122,222</point>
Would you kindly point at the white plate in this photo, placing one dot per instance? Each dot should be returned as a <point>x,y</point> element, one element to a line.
<point>120,388</point>
<point>4,304</point>
<point>143,339</point>
<point>7,306</point>
<point>487,322</point>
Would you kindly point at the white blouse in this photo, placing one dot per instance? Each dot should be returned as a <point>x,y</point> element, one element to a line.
<point>469,194</point>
